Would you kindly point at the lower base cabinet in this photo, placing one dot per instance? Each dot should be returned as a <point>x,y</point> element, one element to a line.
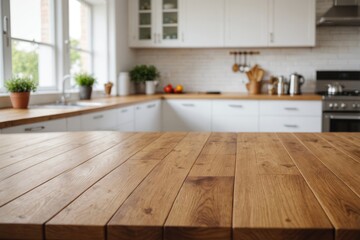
<point>58,125</point>
<point>187,115</point>
<point>148,117</point>
<point>290,124</point>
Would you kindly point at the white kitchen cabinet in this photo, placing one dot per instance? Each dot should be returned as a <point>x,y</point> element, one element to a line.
<point>290,116</point>
<point>154,23</point>
<point>103,121</point>
<point>126,119</point>
<point>246,23</point>
<point>292,23</point>
<point>148,117</point>
<point>187,115</point>
<point>203,23</point>
<point>58,125</point>
<point>73,124</point>
<point>235,116</point>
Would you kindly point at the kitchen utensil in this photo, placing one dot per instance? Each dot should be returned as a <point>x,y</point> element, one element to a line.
<point>282,86</point>
<point>245,67</point>
<point>235,67</point>
<point>241,66</point>
<point>296,81</point>
<point>259,74</point>
<point>334,89</point>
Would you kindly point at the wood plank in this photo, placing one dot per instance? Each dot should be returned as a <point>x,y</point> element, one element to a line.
<point>341,205</point>
<point>343,166</point>
<point>343,145</point>
<point>87,216</point>
<point>273,204</point>
<point>350,137</point>
<point>143,214</point>
<point>202,210</point>
<point>161,147</point>
<point>32,177</point>
<point>30,156</point>
<point>44,202</point>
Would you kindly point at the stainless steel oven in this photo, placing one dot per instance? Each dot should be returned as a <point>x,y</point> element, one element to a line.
<point>341,122</point>
<point>341,110</point>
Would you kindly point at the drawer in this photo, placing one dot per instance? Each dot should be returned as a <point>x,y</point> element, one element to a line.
<point>48,126</point>
<point>290,124</point>
<point>104,120</point>
<point>235,108</point>
<point>74,124</point>
<point>126,114</point>
<point>235,124</point>
<point>291,108</point>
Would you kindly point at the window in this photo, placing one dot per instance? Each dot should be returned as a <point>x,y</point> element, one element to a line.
<point>80,25</point>
<point>32,41</point>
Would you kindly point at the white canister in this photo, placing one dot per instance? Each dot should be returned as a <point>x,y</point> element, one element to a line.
<point>124,84</point>
<point>150,87</point>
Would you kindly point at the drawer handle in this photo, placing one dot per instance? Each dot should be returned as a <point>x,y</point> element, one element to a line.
<point>188,105</point>
<point>124,111</point>
<point>35,129</point>
<point>98,117</point>
<point>290,126</point>
<point>151,106</point>
<point>292,109</point>
<point>236,106</point>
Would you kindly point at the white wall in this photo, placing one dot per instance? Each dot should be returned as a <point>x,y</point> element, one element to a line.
<point>338,48</point>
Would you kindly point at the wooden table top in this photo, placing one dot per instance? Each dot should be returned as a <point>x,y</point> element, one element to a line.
<point>180,186</point>
<point>13,117</point>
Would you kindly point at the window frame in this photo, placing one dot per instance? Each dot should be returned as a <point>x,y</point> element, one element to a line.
<point>89,51</point>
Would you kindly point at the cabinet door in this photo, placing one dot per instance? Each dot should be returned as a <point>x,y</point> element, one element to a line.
<point>187,115</point>
<point>148,117</point>
<point>203,23</point>
<point>48,126</point>
<point>246,23</point>
<point>73,124</point>
<point>290,124</point>
<point>293,23</point>
<point>104,120</point>
<point>126,119</point>
<point>142,23</point>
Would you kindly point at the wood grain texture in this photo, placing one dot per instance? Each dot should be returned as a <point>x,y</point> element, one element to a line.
<point>42,203</point>
<point>202,210</point>
<point>343,166</point>
<point>13,117</point>
<point>273,204</point>
<point>341,205</point>
<point>148,206</point>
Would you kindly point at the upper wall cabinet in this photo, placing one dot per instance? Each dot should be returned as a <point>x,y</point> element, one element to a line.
<point>203,23</point>
<point>246,23</point>
<point>292,23</point>
<point>154,23</point>
<point>222,23</point>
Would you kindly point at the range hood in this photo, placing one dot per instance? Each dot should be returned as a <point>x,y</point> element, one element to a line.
<point>343,13</point>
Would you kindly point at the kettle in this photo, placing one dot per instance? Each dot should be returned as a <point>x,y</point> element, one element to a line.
<point>335,88</point>
<point>296,81</point>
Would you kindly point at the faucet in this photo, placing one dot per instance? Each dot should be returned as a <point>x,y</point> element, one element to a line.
<point>64,96</point>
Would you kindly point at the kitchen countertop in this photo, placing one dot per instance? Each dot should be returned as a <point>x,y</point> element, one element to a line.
<point>153,186</point>
<point>10,117</point>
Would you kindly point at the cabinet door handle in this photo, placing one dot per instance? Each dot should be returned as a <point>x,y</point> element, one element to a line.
<point>235,106</point>
<point>151,106</point>
<point>34,129</point>
<point>124,111</point>
<point>155,38</point>
<point>188,105</point>
<point>291,109</point>
<point>98,117</point>
<point>291,126</point>
<point>272,37</point>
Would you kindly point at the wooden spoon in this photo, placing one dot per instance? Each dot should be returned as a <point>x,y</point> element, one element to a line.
<point>260,74</point>
<point>235,67</point>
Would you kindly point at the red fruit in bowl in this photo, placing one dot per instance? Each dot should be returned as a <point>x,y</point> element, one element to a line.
<point>168,89</point>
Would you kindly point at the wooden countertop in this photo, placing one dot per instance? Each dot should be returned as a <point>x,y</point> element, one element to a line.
<point>10,117</point>
<point>153,186</point>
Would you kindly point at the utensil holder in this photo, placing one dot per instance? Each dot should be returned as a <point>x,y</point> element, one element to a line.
<point>254,87</point>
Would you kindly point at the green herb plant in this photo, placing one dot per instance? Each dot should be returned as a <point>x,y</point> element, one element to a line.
<point>84,79</point>
<point>21,84</point>
<point>142,73</point>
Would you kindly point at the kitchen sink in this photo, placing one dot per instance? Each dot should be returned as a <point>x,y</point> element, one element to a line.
<point>69,105</point>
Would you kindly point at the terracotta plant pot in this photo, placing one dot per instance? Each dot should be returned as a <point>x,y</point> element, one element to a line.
<point>20,100</point>
<point>108,86</point>
<point>85,93</point>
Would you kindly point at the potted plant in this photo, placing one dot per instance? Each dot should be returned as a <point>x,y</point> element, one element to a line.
<point>145,74</point>
<point>20,88</point>
<point>85,81</point>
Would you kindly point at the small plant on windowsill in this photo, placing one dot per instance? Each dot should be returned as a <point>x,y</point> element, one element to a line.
<point>86,82</point>
<point>20,88</point>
